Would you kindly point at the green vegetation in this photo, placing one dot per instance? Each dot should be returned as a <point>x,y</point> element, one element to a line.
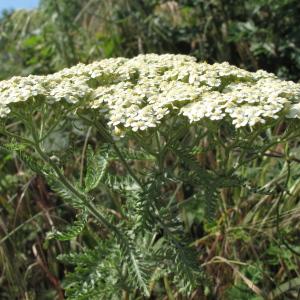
<point>178,211</point>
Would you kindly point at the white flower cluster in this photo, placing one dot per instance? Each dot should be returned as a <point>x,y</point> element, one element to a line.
<point>139,93</point>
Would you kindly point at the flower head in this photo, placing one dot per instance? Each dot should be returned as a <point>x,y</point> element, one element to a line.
<point>139,93</point>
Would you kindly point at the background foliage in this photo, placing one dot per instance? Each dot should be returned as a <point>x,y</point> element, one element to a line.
<point>246,251</point>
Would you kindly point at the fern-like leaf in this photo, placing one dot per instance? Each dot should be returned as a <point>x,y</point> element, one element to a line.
<point>66,194</point>
<point>135,263</point>
<point>71,231</point>
<point>97,274</point>
<point>97,164</point>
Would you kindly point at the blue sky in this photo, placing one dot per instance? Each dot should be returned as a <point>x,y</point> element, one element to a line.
<point>16,4</point>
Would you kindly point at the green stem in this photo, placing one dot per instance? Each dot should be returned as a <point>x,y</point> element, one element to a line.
<point>168,289</point>
<point>160,152</point>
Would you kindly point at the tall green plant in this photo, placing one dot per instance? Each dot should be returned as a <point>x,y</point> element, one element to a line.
<point>155,116</point>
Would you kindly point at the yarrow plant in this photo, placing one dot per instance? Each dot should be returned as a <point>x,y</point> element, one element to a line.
<point>155,116</point>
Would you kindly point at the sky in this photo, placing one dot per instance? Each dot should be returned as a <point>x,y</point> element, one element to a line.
<point>16,4</point>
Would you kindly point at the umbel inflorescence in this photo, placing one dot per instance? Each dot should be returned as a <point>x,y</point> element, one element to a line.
<point>139,93</point>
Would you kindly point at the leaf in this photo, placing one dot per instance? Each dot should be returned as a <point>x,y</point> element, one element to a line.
<point>66,194</point>
<point>13,146</point>
<point>72,231</point>
<point>210,204</point>
<point>136,265</point>
<point>96,274</point>
<point>120,183</point>
<point>97,164</point>
<point>133,154</point>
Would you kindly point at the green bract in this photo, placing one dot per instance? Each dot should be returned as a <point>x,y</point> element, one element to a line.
<point>139,93</point>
